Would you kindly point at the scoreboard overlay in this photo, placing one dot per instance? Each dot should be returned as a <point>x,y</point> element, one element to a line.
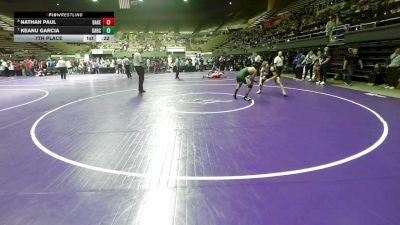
<point>64,27</point>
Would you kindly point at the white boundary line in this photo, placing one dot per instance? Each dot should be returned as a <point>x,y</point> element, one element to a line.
<point>216,178</point>
<point>183,80</point>
<point>165,108</point>
<point>7,81</point>
<point>61,82</point>
<point>46,93</point>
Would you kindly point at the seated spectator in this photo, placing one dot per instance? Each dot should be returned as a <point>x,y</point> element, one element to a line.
<point>395,58</point>
<point>376,77</point>
<point>393,70</point>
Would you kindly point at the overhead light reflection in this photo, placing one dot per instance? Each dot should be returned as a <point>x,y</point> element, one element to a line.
<point>158,204</point>
<point>157,207</point>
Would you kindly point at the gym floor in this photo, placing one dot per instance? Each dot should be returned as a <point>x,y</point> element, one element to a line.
<point>92,150</point>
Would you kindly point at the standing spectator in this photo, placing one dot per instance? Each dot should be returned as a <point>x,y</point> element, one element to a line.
<point>127,65</point>
<point>317,66</point>
<point>156,66</point>
<point>148,64</point>
<point>75,65</point>
<point>42,68</point>
<point>308,65</point>
<point>257,62</point>
<point>253,58</point>
<point>18,68</point>
<point>112,65</point>
<point>216,63</point>
<point>35,66</point>
<point>81,67</point>
<point>23,64</point>
<point>176,68</point>
<point>119,66</point>
<point>162,66</point>
<point>210,62</point>
<point>62,66</point>
<point>69,66</point>
<point>329,28</point>
<point>2,68</point>
<point>201,63</point>
<point>6,70</point>
<point>29,67</point>
<point>286,62</point>
<point>197,62</point>
<point>96,66</point>
<point>181,63</point>
<point>169,61</point>
<point>350,61</point>
<point>325,65</point>
<point>138,64</point>
<point>222,63</point>
<point>11,69</point>
<point>89,66</point>
<point>297,63</point>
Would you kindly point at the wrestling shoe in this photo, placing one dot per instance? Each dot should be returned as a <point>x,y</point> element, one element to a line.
<point>246,98</point>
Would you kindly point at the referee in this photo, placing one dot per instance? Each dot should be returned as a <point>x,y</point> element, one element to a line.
<point>138,64</point>
<point>278,63</point>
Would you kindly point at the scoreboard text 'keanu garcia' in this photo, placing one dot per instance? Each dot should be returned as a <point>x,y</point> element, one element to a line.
<point>64,27</point>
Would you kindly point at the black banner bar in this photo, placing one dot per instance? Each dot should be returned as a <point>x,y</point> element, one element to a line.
<point>40,22</point>
<point>53,15</point>
<point>58,30</point>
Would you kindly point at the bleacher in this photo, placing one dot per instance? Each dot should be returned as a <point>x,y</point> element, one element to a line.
<point>374,51</point>
<point>371,53</point>
<point>305,19</point>
<point>6,23</point>
<point>276,33</point>
<point>210,43</point>
<point>8,45</point>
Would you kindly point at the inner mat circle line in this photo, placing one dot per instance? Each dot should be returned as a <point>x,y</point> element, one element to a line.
<point>207,112</point>
<point>363,152</point>
<point>60,82</point>
<point>46,93</point>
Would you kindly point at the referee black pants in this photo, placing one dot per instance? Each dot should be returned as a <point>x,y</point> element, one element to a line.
<point>140,72</point>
